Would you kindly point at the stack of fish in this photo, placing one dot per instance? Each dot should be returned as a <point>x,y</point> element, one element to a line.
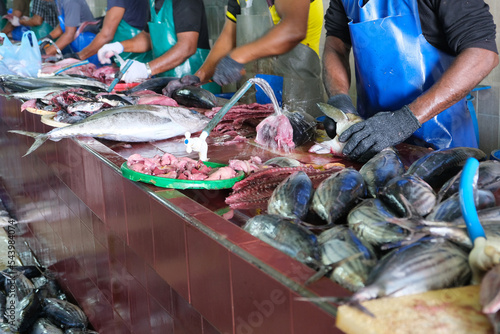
<point>31,301</point>
<point>385,230</point>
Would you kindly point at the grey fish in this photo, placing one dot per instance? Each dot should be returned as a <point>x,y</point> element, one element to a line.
<point>117,100</point>
<point>30,83</point>
<point>39,93</point>
<point>338,244</point>
<point>437,167</point>
<point>154,84</point>
<point>489,215</point>
<point>195,97</point>
<point>409,193</point>
<point>488,178</point>
<point>381,168</point>
<point>45,326</point>
<point>27,310</point>
<point>129,124</point>
<point>449,210</point>
<point>64,314</point>
<point>287,236</point>
<point>85,106</point>
<point>338,194</point>
<point>291,197</point>
<point>426,265</point>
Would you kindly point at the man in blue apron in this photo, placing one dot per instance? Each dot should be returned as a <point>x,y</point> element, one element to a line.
<point>124,19</point>
<point>177,36</point>
<point>72,13</point>
<point>415,62</point>
<point>44,17</point>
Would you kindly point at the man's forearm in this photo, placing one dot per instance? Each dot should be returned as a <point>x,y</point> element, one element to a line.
<point>469,68</point>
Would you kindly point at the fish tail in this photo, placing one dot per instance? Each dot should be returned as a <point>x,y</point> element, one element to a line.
<point>334,113</point>
<point>40,138</point>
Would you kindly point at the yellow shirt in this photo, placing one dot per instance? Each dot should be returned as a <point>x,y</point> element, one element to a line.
<point>314,23</point>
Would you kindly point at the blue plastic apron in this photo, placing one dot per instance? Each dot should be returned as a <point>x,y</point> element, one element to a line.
<point>395,64</point>
<point>83,39</point>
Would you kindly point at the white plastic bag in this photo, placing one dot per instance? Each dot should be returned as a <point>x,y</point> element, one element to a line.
<point>21,59</point>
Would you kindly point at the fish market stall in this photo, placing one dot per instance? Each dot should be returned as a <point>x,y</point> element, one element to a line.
<point>141,258</point>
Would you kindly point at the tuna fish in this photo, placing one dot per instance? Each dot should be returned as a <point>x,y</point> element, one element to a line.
<point>291,197</point>
<point>381,168</point>
<point>449,210</point>
<point>129,124</point>
<point>30,83</point>
<point>355,259</point>
<point>408,194</point>
<point>488,179</point>
<point>437,167</point>
<point>64,314</point>
<point>343,122</point>
<point>426,265</point>
<point>338,194</point>
<point>287,236</point>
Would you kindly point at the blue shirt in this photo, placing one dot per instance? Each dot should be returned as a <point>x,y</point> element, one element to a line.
<point>136,11</point>
<point>75,12</point>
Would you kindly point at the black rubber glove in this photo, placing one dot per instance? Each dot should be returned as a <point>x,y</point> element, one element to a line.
<point>71,55</point>
<point>384,129</point>
<point>187,80</point>
<point>342,102</point>
<point>227,71</point>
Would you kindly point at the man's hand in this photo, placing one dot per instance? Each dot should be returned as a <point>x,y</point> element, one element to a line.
<point>384,129</point>
<point>187,80</point>
<point>46,42</point>
<point>15,21</point>
<point>227,71</point>
<point>136,72</point>
<point>342,102</point>
<point>108,50</point>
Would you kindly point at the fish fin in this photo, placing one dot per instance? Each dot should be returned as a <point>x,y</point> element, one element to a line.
<point>357,305</point>
<point>40,138</point>
<point>322,272</point>
<point>334,113</point>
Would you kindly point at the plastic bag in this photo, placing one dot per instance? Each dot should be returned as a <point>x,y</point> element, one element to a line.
<point>21,59</point>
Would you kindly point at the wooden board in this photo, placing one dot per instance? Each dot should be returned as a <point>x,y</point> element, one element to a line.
<point>39,111</point>
<point>49,120</point>
<point>454,311</point>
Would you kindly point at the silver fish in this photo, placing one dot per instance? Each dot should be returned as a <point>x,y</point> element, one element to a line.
<point>488,174</point>
<point>85,106</point>
<point>338,244</point>
<point>282,162</point>
<point>408,193</point>
<point>437,167</point>
<point>338,194</point>
<point>343,122</point>
<point>426,265</point>
<point>44,326</point>
<point>286,235</point>
<point>291,197</point>
<point>30,83</point>
<point>489,215</point>
<point>383,167</point>
<point>64,314</point>
<point>130,124</point>
<point>40,93</point>
<point>449,210</point>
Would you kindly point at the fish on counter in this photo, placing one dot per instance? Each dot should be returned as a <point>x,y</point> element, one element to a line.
<point>286,235</point>
<point>291,197</point>
<point>20,84</point>
<point>195,97</point>
<point>141,123</point>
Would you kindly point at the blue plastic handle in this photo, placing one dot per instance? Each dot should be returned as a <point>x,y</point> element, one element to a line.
<point>466,195</point>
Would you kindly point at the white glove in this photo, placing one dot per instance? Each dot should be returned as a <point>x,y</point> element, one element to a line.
<point>108,50</point>
<point>15,21</point>
<point>136,72</point>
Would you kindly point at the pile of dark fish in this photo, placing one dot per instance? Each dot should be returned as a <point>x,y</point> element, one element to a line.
<point>31,301</point>
<point>383,230</point>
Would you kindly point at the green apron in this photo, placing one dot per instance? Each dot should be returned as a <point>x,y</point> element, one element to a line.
<point>42,30</point>
<point>163,37</point>
<point>125,31</point>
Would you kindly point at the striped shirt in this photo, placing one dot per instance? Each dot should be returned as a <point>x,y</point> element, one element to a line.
<point>47,9</point>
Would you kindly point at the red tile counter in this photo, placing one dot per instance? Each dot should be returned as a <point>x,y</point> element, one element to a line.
<point>142,259</point>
